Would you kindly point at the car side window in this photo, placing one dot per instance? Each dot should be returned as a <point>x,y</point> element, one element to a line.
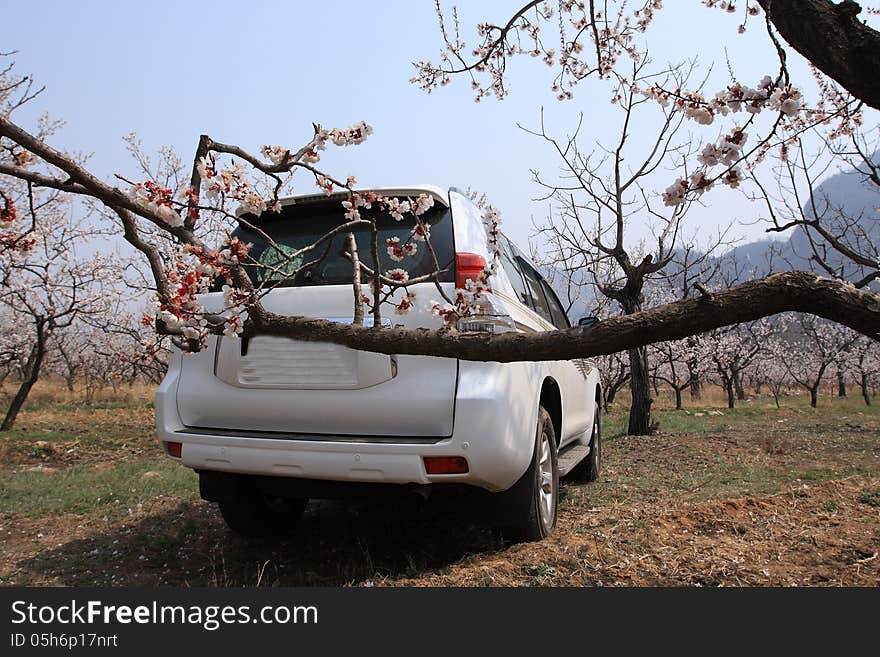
<point>534,282</point>
<point>560,319</point>
<point>514,274</point>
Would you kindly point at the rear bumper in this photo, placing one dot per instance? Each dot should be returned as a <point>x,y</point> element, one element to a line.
<point>495,415</point>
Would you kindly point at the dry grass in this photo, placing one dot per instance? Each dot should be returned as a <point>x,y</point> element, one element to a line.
<point>51,393</point>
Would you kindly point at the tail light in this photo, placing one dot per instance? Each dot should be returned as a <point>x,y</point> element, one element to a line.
<point>174,449</point>
<point>468,266</point>
<point>445,465</point>
<point>492,315</point>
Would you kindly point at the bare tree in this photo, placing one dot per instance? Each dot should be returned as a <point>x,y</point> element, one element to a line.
<point>598,197</point>
<point>733,350</point>
<point>864,359</point>
<point>815,345</point>
<point>841,241</point>
<point>70,352</point>
<point>14,345</point>
<point>770,366</point>
<point>614,370</point>
<point>682,363</point>
<point>51,290</point>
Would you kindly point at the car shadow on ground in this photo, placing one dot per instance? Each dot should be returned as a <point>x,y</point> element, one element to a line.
<point>350,543</point>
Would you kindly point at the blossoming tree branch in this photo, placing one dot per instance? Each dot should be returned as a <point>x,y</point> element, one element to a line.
<point>185,237</point>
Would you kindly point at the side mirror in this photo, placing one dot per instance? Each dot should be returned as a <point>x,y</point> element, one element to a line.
<point>588,321</point>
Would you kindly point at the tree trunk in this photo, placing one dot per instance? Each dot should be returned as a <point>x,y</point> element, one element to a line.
<point>31,374</point>
<point>738,386</point>
<point>814,396</point>
<point>92,386</point>
<point>696,388</point>
<point>678,405</point>
<point>841,383</point>
<point>640,407</point>
<point>612,393</point>
<point>864,386</point>
<point>639,376</point>
<point>833,38</point>
<point>775,396</point>
<point>728,386</point>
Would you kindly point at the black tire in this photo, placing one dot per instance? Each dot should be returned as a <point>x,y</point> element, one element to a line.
<point>252,513</point>
<point>529,515</point>
<point>590,466</point>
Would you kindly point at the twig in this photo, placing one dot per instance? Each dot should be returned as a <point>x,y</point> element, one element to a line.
<point>867,559</point>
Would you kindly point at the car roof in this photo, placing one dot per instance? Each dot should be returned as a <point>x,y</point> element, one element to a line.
<point>407,190</point>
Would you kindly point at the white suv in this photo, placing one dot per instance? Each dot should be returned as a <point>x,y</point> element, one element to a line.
<point>270,422</point>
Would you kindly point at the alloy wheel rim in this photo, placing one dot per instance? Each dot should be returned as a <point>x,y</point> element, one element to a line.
<point>546,490</point>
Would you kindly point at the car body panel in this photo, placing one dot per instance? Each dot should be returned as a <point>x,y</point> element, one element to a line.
<point>416,392</point>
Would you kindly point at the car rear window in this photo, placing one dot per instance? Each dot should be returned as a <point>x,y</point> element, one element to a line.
<point>299,225</point>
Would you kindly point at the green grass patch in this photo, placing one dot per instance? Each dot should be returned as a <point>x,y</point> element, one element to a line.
<point>755,413</point>
<point>82,428</point>
<point>690,421</point>
<point>716,480</point>
<point>870,497</point>
<point>86,488</point>
<point>541,572</point>
<point>98,405</point>
<point>830,506</point>
<point>37,403</point>
<point>757,479</point>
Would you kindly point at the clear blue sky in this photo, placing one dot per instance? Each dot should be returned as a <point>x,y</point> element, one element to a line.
<point>260,72</point>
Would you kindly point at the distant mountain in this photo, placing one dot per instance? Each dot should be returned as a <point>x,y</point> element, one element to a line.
<point>847,206</point>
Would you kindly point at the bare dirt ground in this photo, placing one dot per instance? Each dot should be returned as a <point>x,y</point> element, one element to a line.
<point>750,497</point>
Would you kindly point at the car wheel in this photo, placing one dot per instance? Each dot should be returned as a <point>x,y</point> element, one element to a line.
<point>588,469</point>
<point>252,513</point>
<point>533,501</point>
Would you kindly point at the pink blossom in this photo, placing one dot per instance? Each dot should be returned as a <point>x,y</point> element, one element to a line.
<point>395,251</point>
<point>276,154</point>
<point>422,204</point>
<point>23,158</point>
<point>675,193</point>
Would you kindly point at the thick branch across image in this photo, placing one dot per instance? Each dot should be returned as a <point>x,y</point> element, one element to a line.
<point>834,39</point>
<point>789,291</point>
